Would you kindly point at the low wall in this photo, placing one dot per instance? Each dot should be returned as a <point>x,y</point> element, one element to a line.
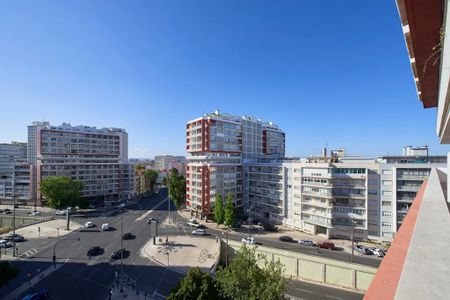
<point>312,268</point>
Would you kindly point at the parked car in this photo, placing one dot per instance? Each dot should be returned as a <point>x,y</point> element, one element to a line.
<point>117,254</point>
<point>248,240</point>
<point>61,212</point>
<point>360,249</point>
<point>7,211</point>
<point>6,244</point>
<point>16,237</point>
<point>326,245</point>
<point>378,252</point>
<point>105,227</point>
<point>306,243</point>
<point>286,238</point>
<point>42,293</point>
<point>88,224</point>
<point>152,220</point>
<point>93,251</point>
<point>199,232</point>
<point>127,236</point>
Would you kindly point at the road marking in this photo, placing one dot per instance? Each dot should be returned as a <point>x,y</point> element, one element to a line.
<point>334,297</point>
<point>303,290</point>
<point>296,298</point>
<point>151,210</point>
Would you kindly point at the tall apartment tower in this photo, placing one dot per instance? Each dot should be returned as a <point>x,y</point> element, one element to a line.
<point>14,173</point>
<point>98,157</point>
<point>218,145</point>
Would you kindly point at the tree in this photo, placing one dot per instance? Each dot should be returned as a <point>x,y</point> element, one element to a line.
<point>139,167</point>
<point>150,177</point>
<point>195,285</point>
<point>177,187</point>
<point>245,279</point>
<point>218,210</point>
<point>230,218</point>
<point>61,191</point>
<point>7,272</point>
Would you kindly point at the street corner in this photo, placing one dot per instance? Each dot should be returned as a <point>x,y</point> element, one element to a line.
<point>53,228</point>
<point>184,253</point>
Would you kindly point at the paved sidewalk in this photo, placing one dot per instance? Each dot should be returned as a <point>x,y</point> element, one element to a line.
<point>48,229</point>
<point>185,252</point>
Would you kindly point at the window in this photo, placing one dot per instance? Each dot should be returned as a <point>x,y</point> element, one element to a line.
<point>386,203</point>
<point>373,192</point>
<point>387,193</point>
<point>387,172</point>
<point>386,224</point>
<point>386,214</point>
<point>387,182</point>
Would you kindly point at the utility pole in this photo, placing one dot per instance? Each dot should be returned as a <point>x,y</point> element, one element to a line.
<point>14,210</point>
<point>353,240</point>
<point>121,254</point>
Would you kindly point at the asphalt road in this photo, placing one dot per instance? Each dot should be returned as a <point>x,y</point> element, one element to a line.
<point>82,277</point>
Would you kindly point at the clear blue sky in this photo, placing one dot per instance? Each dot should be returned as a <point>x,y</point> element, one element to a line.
<point>327,72</point>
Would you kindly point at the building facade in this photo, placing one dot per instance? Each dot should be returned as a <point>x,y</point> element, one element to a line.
<point>97,157</point>
<point>218,146</point>
<point>14,173</point>
<point>167,162</point>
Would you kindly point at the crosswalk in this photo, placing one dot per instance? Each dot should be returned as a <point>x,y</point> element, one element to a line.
<point>29,253</point>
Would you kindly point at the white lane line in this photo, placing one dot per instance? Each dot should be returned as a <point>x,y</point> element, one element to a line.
<point>303,290</point>
<point>334,297</point>
<point>293,297</point>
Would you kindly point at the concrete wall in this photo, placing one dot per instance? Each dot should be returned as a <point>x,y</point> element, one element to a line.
<point>312,268</point>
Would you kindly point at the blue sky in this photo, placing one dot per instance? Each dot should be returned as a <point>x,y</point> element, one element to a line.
<point>329,72</point>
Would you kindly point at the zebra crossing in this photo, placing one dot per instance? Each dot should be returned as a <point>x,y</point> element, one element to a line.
<point>29,253</point>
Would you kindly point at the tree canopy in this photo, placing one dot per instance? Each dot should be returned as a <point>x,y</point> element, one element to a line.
<point>251,276</point>
<point>7,272</point>
<point>230,217</point>
<point>218,210</point>
<point>150,177</point>
<point>62,191</point>
<point>195,285</point>
<point>177,187</point>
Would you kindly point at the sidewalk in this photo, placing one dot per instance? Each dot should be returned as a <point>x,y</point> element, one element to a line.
<point>184,253</point>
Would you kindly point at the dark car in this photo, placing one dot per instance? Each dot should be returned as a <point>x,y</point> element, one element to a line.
<point>7,211</point>
<point>326,245</point>
<point>128,236</point>
<point>40,294</point>
<point>152,220</point>
<point>93,250</point>
<point>17,237</point>
<point>286,238</point>
<point>117,254</point>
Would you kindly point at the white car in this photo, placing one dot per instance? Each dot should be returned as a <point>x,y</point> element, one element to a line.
<point>248,240</point>
<point>306,242</point>
<point>193,224</point>
<point>199,232</point>
<point>88,224</point>
<point>6,244</point>
<point>105,227</point>
<point>61,212</point>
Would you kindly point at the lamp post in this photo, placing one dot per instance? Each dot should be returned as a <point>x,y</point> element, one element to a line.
<point>351,217</point>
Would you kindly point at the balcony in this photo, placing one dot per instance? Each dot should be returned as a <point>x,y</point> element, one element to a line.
<point>416,265</point>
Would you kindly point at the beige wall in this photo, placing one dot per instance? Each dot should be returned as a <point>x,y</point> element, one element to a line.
<point>312,268</point>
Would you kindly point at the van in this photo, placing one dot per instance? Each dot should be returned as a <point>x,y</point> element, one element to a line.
<point>105,227</point>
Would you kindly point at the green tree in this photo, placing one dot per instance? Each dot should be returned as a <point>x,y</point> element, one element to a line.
<point>150,177</point>
<point>7,272</point>
<point>195,285</point>
<point>230,217</point>
<point>177,187</point>
<point>218,210</point>
<point>61,191</point>
<point>251,276</point>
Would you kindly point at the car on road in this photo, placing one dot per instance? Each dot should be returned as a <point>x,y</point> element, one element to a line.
<point>127,236</point>
<point>199,232</point>
<point>306,243</point>
<point>152,220</point>
<point>286,238</point>
<point>105,227</point>
<point>61,212</point>
<point>6,244</point>
<point>17,237</point>
<point>88,224</point>
<point>194,224</point>
<point>248,240</point>
<point>326,245</point>
<point>42,293</point>
<point>34,213</point>
<point>7,211</point>
<point>378,252</point>
<point>117,254</point>
<point>360,249</point>
<point>93,250</point>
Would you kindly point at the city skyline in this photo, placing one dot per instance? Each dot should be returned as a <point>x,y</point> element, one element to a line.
<point>163,65</point>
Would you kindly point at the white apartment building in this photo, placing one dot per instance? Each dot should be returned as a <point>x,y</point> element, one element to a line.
<point>98,157</point>
<point>334,196</point>
<point>218,145</point>
<point>14,173</point>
